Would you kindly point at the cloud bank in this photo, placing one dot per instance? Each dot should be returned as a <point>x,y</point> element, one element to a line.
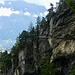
<point>45,3</point>
<point>7,11</point>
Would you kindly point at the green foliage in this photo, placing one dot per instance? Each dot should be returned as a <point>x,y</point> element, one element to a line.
<point>14,52</point>
<point>72,72</point>
<point>49,69</point>
<point>43,21</point>
<point>23,37</point>
<point>62,5</point>
<point>50,15</point>
<point>71,4</point>
<point>5,63</point>
<point>38,20</point>
<point>30,26</point>
<point>26,40</point>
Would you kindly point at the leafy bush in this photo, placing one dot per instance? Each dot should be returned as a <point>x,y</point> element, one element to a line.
<point>72,72</point>
<point>49,69</point>
<point>71,4</point>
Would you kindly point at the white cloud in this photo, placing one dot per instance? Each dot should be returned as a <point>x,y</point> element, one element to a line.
<point>9,41</point>
<point>10,3</point>
<point>27,14</point>
<point>16,12</point>
<point>7,11</point>
<point>46,12</point>
<point>34,15</point>
<point>41,14</point>
<point>6,44</point>
<point>45,3</point>
<point>2,49</point>
<point>2,2</point>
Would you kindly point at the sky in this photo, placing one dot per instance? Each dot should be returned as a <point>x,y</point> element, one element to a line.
<point>7,12</point>
<point>45,3</point>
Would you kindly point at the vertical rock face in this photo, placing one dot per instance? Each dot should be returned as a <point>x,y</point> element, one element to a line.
<point>63,42</point>
<point>64,37</point>
<point>58,46</point>
<point>26,61</point>
<point>44,49</point>
<point>32,57</point>
<point>22,61</point>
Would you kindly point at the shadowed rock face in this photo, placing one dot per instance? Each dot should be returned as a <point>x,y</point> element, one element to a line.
<point>58,48</point>
<point>64,38</point>
<point>63,43</point>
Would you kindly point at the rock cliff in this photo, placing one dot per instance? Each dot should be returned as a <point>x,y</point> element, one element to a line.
<point>63,42</point>
<point>58,47</point>
<point>54,48</point>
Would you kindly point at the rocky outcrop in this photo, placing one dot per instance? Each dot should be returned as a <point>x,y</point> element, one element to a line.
<point>63,38</point>
<point>63,43</point>
<point>56,43</point>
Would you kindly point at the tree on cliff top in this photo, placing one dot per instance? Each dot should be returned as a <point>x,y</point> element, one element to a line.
<point>71,4</point>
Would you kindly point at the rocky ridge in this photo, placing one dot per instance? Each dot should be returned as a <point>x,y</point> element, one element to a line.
<point>63,42</point>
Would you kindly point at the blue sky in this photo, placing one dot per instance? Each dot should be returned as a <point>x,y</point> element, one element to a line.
<point>45,3</point>
<point>9,12</point>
